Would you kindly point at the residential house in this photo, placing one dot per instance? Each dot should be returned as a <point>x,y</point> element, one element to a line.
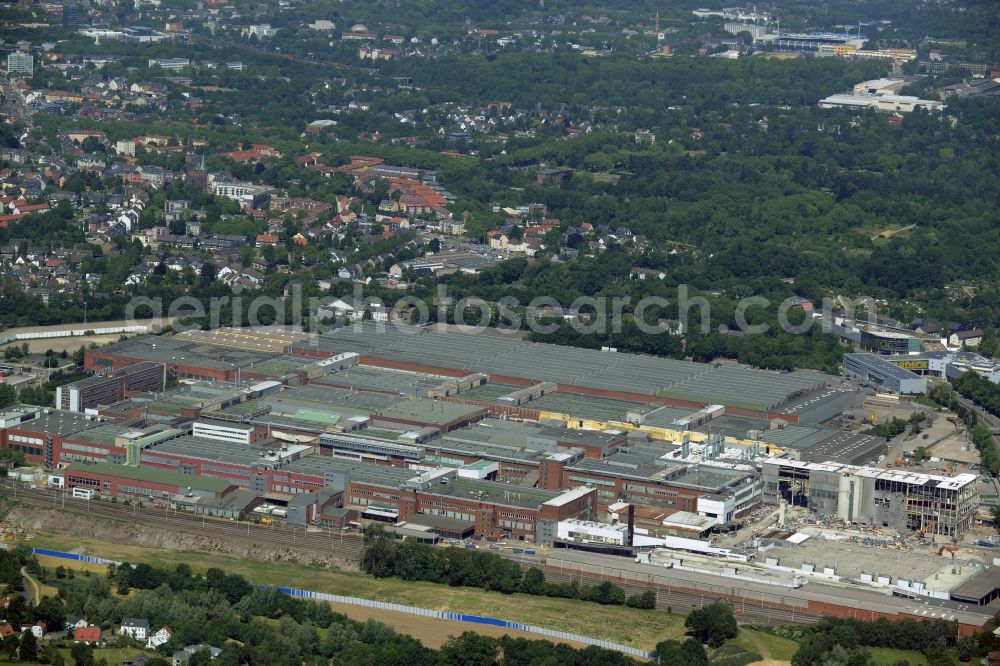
<point>347,308</point>
<point>928,326</point>
<point>74,622</point>
<point>159,638</point>
<point>91,635</point>
<point>182,657</point>
<point>498,240</point>
<point>37,629</point>
<point>135,627</point>
<point>643,273</point>
<point>800,303</point>
<point>970,338</point>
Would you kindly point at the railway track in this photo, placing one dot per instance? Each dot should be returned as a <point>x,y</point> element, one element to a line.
<point>349,547</point>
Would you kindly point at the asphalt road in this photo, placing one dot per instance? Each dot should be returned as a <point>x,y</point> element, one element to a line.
<point>13,96</point>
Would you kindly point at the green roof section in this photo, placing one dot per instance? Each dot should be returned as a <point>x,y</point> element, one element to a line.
<point>480,464</point>
<point>317,416</point>
<point>163,476</point>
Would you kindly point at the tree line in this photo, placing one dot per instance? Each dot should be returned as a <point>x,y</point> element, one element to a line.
<point>261,626</point>
<point>984,393</point>
<point>384,556</point>
<point>846,641</point>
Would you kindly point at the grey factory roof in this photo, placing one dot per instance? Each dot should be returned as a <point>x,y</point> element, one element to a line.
<point>436,412</point>
<point>208,449</point>
<point>152,475</point>
<point>58,423</point>
<point>515,436</point>
<point>743,387</point>
<point>796,437</point>
<point>137,367</point>
<point>104,433</point>
<point>313,408</point>
<point>498,433</point>
<point>710,479</point>
<point>370,378</point>
<point>684,475</point>
<point>494,492</point>
<point>726,384</point>
<point>979,586</point>
<point>665,416</point>
<point>330,396</point>
<point>823,444</point>
<point>847,448</point>
<point>89,381</point>
<point>383,475</point>
<point>881,366</point>
<point>191,394</point>
<point>164,349</point>
<point>439,450</point>
<point>489,392</point>
<point>127,370</point>
<point>588,407</point>
<point>730,425</point>
<point>278,366</point>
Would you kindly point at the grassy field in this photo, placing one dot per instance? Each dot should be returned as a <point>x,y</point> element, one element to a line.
<point>767,645</point>
<point>890,657</point>
<point>640,628</point>
<point>112,655</point>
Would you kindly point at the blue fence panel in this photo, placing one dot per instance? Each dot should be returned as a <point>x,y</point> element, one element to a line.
<point>75,557</point>
<point>356,601</point>
<point>476,619</point>
<point>56,553</point>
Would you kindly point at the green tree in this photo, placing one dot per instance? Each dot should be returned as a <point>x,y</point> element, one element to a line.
<point>470,649</point>
<point>202,657</point>
<point>645,600</point>
<point>675,653</point>
<point>608,594</point>
<point>712,624</point>
<point>533,581</point>
<point>8,395</point>
<point>83,654</point>
<point>28,650</point>
<point>52,611</point>
<point>995,514</point>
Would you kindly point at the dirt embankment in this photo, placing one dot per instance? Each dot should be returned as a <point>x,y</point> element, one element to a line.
<point>131,534</point>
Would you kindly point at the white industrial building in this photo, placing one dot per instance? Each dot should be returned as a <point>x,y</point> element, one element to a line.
<point>174,64</point>
<point>224,431</point>
<point>246,194</point>
<point>880,87</point>
<point>887,103</point>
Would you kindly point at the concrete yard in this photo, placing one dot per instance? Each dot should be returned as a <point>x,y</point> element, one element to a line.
<point>955,447</point>
<point>850,559</point>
